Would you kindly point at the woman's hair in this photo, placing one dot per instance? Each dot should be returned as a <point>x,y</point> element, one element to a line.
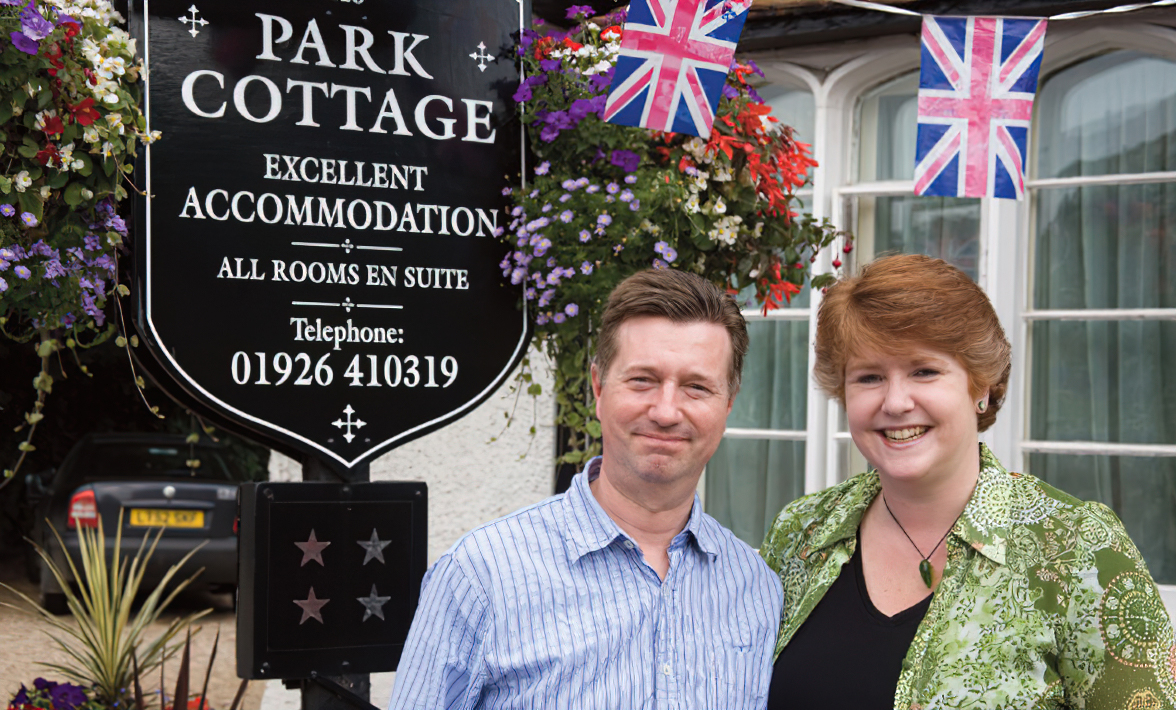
<point>906,301</point>
<point>681,297</point>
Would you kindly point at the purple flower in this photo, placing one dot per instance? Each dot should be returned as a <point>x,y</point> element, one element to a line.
<point>117,224</point>
<point>543,168</point>
<point>612,188</point>
<point>4,265</point>
<point>730,92</point>
<point>542,247</point>
<point>755,97</point>
<point>517,276</point>
<point>603,220</point>
<point>565,197</point>
<point>542,319</point>
<point>576,10</point>
<point>572,309</point>
<point>582,108</point>
<point>660,247</point>
<point>559,318</point>
<point>670,254</point>
<point>626,160</point>
<point>585,235</point>
<point>516,211</point>
<point>635,205</point>
<point>7,210</point>
<point>586,268</point>
<point>630,179</point>
<point>530,294</point>
<point>566,216</point>
<point>506,191</point>
<point>618,248</point>
<point>601,81</point>
<point>505,265</point>
<point>592,189</point>
<point>3,285</point>
<point>554,277</point>
<point>499,231</point>
<point>659,264</point>
<point>627,196</point>
<point>66,696</point>
<point>581,182</point>
<point>546,296</point>
<point>22,271</point>
<point>29,219</point>
<point>549,133</point>
<point>550,64</point>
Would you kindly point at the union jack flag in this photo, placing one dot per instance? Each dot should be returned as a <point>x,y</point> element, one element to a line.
<point>673,62</point>
<point>976,89</point>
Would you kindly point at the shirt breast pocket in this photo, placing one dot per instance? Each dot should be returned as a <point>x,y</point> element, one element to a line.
<point>738,676</point>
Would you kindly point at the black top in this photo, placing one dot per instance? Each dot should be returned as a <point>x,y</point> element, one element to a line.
<point>847,654</point>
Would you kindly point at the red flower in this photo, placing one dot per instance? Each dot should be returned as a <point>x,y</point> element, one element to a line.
<point>48,154</point>
<point>543,47</point>
<point>53,126</point>
<point>610,33</point>
<point>572,44</point>
<point>84,112</point>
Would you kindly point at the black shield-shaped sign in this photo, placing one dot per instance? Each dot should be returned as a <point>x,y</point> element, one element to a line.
<point>316,254</point>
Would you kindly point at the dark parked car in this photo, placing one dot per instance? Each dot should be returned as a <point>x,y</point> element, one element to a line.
<point>154,481</point>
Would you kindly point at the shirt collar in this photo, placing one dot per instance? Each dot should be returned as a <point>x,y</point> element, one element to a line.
<point>589,528</point>
<point>983,525</point>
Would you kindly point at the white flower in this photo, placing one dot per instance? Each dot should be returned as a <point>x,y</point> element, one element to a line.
<point>45,191</point>
<point>719,207</point>
<point>87,193</point>
<point>107,149</point>
<point>593,26</point>
<point>759,229</point>
<point>42,117</point>
<point>115,121</point>
<point>90,134</point>
<point>724,175</point>
<point>23,181</point>
<point>692,206</point>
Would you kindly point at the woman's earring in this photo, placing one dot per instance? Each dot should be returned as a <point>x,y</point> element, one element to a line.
<point>982,405</point>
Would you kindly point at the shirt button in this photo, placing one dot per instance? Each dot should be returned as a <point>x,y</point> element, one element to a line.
<point>667,670</point>
<point>629,545</point>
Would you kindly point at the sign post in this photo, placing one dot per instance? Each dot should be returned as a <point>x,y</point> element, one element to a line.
<point>316,258</point>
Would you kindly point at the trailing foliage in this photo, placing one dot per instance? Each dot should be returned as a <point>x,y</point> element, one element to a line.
<point>69,124</point>
<point>605,201</point>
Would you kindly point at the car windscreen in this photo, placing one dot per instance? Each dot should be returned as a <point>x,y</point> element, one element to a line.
<point>125,460</point>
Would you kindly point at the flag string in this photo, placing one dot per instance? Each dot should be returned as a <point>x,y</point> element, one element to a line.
<point>866,5</point>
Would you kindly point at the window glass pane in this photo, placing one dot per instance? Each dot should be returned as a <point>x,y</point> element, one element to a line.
<point>886,120</point>
<point>774,394</point>
<point>1141,491</point>
<point>1112,114</point>
<point>794,107</point>
<point>748,481</point>
<point>1106,381</point>
<point>1106,247</point>
<point>947,228</point>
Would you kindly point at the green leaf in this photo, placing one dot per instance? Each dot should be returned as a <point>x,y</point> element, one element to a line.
<point>46,348</point>
<point>33,417</point>
<point>26,446</point>
<point>593,428</point>
<point>193,438</point>
<point>535,389</point>
<point>58,180</point>
<point>73,194</point>
<point>87,165</point>
<point>120,342</point>
<point>134,341</point>
<point>123,290</point>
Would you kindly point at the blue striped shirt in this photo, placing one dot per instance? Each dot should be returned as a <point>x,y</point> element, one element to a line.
<point>554,606</point>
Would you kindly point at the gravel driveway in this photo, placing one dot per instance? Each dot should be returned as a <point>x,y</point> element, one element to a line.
<point>24,643</point>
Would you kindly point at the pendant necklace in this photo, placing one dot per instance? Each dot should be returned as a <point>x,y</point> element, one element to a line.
<point>925,565</point>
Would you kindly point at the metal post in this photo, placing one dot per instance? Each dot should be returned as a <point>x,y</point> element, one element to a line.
<point>318,696</point>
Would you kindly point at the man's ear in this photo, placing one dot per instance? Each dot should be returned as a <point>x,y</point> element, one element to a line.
<point>596,385</point>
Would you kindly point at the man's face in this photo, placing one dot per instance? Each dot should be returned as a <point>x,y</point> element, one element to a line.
<point>664,402</point>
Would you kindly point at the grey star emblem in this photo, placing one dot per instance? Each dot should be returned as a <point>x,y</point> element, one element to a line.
<point>312,549</point>
<point>373,604</point>
<point>373,548</point>
<point>311,607</point>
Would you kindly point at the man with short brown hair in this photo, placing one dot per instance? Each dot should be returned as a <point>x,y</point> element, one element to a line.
<point>620,593</point>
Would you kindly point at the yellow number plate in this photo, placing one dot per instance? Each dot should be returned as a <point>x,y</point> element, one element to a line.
<point>156,518</point>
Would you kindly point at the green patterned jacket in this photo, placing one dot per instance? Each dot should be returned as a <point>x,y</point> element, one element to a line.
<point>1044,602</point>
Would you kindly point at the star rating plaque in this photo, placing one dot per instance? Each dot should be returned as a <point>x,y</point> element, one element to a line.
<point>329,576</point>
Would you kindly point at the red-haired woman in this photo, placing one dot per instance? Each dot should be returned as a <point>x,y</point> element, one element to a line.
<point>939,579</point>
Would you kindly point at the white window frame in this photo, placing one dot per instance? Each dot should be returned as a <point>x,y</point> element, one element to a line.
<point>855,69</point>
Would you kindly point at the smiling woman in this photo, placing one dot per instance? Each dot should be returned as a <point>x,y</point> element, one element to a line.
<point>938,575</point>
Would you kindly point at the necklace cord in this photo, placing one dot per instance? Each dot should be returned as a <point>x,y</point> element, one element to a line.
<point>926,557</point>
